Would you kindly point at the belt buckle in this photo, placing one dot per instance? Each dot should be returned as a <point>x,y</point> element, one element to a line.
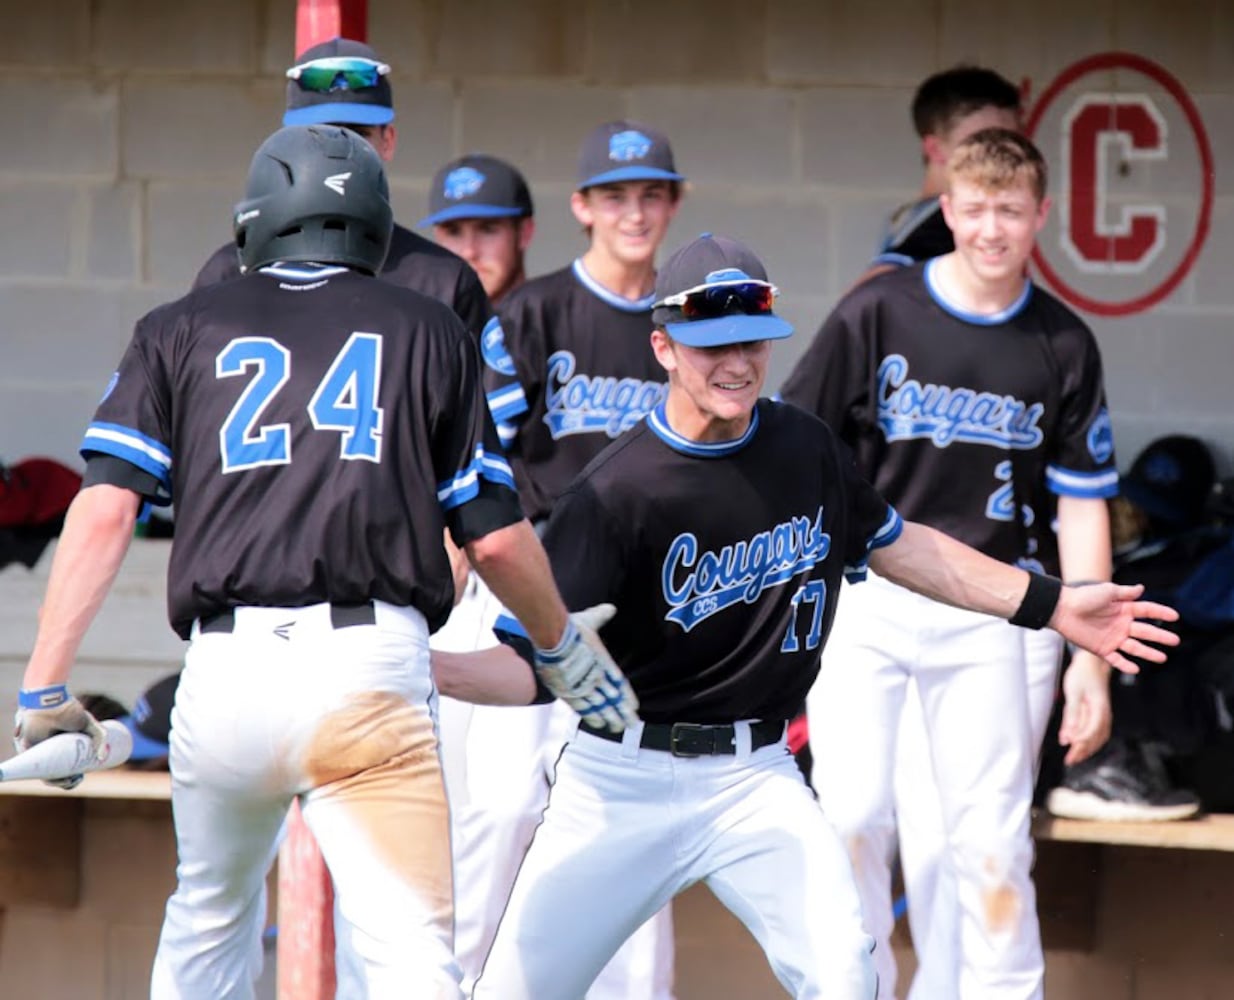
<point>690,739</point>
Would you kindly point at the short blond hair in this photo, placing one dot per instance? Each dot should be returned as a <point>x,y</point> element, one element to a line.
<point>996,159</point>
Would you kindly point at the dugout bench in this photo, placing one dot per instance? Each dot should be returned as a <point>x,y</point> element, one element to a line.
<point>1129,911</point>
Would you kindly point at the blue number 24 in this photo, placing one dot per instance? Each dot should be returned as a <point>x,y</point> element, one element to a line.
<point>345,400</point>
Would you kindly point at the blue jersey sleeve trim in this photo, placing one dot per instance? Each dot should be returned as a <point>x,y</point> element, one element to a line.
<point>893,258</point>
<point>133,447</point>
<point>890,530</point>
<point>507,624</point>
<point>507,402</point>
<point>465,485</point>
<point>506,433</point>
<point>1069,483</point>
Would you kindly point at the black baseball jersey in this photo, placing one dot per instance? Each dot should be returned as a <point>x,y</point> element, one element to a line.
<point>568,368</point>
<point>916,231</point>
<point>958,419</point>
<point>317,429</point>
<point>723,560</point>
<point>413,262</point>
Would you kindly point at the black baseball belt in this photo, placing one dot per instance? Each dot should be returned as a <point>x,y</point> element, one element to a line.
<point>690,739</point>
<point>341,616</point>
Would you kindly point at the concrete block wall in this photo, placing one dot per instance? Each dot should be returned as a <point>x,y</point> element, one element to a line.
<point>130,125</point>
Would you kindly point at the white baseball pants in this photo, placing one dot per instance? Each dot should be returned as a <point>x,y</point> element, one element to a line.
<point>970,673</point>
<point>626,829</point>
<point>929,883</point>
<point>287,705</point>
<point>498,765</point>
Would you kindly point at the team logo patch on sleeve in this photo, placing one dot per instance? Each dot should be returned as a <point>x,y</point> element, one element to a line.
<point>493,348</point>
<point>462,182</point>
<point>1101,438</point>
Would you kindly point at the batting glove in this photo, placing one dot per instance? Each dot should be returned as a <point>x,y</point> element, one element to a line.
<point>47,711</point>
<point>580,672</point>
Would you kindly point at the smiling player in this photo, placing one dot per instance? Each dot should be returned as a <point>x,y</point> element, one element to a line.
<point>724,590</point>
<point>965,392</point>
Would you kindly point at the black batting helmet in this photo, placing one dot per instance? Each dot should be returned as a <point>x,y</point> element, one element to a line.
<point>314,193</point>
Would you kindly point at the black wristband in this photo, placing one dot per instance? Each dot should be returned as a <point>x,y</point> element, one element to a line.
<point>1040,600</point>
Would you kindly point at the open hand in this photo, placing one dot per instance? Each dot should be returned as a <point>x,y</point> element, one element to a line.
<point>1109,620</point>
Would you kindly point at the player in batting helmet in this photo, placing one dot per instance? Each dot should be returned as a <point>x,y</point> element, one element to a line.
<point>315,193</point>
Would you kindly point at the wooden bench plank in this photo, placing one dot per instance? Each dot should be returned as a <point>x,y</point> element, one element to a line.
<point>1207,833</point>
<point>118,784</point>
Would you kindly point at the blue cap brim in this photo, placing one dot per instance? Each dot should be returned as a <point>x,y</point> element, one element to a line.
<point>729,330</point>
<point>341,113</point>
<point>144,748</point>
<point>631,174</point>
<point>471,212</point>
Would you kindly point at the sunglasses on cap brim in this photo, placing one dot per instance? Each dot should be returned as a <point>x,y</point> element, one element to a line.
<point>338,73</point>
<point>724,298</point>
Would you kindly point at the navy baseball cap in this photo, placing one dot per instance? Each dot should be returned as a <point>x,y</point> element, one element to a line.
<point>339,82</point>
<point>477,187</point>
<point>149,724</point>
<point>715,291</point>
<point>1172,479</point>
<point>625,151</point>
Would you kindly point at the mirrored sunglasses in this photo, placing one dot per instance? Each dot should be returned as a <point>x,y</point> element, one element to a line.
<point>338,73</point>
<point>749,298</point>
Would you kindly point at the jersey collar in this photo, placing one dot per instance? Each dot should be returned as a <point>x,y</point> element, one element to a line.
<point>612,298</point>
<point>979,319</point>
<point>658,421</point>
<point>302,271</point>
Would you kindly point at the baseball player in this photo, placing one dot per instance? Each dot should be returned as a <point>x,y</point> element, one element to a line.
<point>495,760</point>
<point>572,369</point>
<point>965,392</point>
<point>947,108</point>
<point>318,430</point>
<point>344,82</point>
<point>724,590</point>
<point>480,208</point>
<point>569,369</point>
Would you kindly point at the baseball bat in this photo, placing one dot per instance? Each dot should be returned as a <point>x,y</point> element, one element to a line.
<point>66,754</point>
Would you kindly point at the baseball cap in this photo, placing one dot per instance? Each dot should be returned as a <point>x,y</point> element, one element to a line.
<point>715,291</point>
<point>341,82</point>
<point>1171,479</point>
<point>477,187</point>
<point>625,151</point>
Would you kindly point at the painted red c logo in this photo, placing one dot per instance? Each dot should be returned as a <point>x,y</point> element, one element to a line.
<point>1094,125</point>
<point>1097,236</point>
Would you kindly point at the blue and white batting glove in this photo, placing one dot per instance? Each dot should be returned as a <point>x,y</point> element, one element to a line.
<point>580,672</point>
<point>47,711</point>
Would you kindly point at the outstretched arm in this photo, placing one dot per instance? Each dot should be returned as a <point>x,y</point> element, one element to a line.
<point>493,676</point>
<point>1101,618</point>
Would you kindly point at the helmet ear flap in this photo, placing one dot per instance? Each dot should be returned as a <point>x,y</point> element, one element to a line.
<point>315,193</point>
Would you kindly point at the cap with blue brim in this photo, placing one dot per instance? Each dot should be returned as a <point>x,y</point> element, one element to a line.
<point>342,103</point>
<point>625,151</point>
<point>710,264</point>
<point>477,186</point>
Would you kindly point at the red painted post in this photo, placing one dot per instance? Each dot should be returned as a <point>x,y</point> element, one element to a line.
<point>305,892</point>
<point>306,917</point>
<point>319,20</point>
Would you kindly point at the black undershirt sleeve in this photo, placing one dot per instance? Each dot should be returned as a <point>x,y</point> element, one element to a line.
<point>117,472</point>
<point>495,507</point>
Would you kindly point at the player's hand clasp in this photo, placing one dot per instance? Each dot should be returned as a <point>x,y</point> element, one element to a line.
<point>580,671</point>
